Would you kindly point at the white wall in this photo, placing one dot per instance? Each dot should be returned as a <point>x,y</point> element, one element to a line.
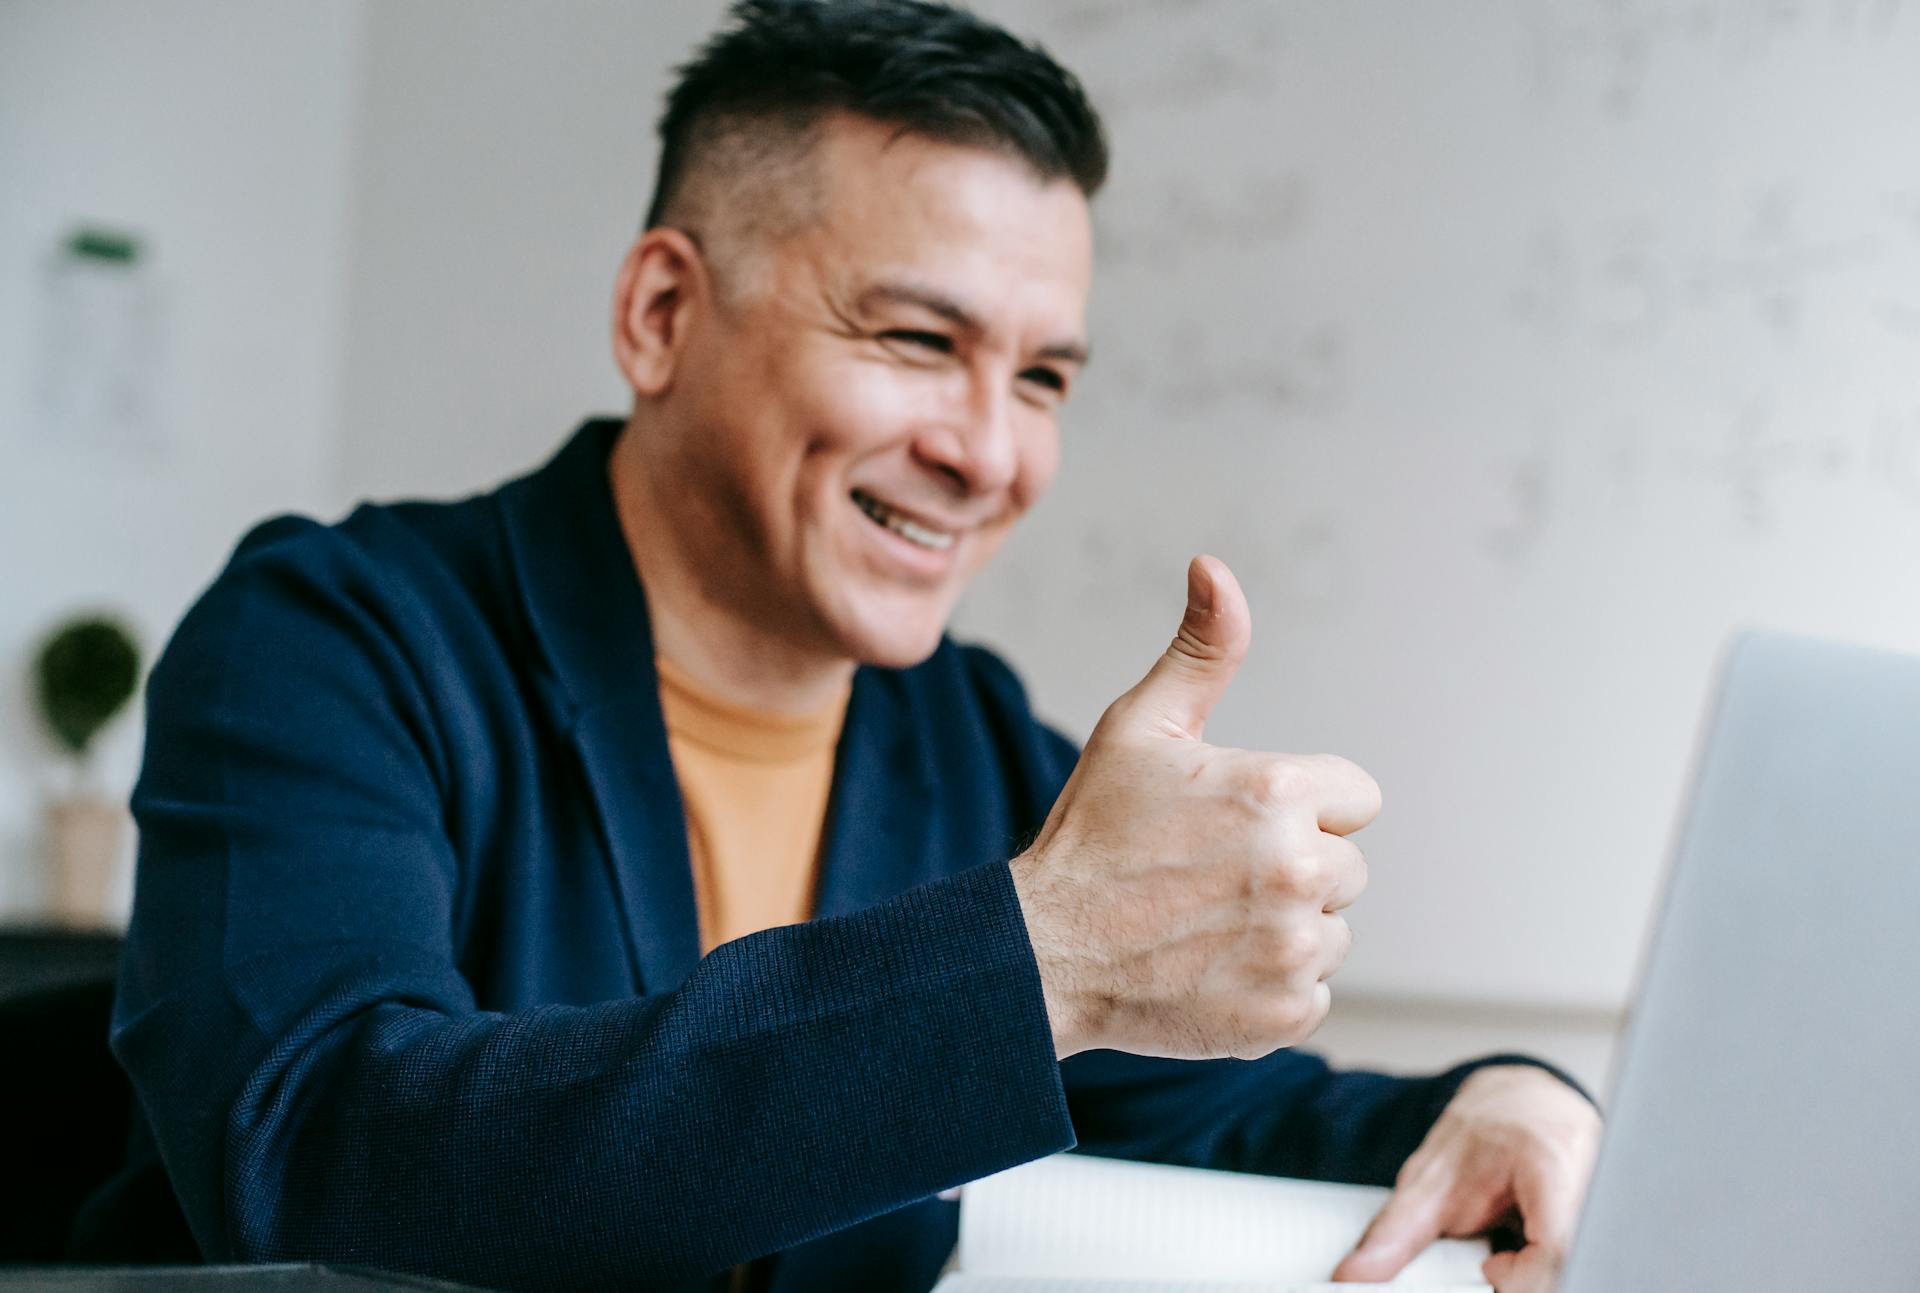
<point>219,132</point>
<point>503,165</point>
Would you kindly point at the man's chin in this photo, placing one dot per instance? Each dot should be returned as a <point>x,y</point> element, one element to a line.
<point>900,644</point>
<point>896,652</point>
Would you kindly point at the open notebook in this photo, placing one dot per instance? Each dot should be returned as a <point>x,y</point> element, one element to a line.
<point>1074,1224</point>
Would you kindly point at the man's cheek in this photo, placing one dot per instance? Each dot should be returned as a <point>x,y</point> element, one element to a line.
<point>1037,469</point>
<point>987,543</point>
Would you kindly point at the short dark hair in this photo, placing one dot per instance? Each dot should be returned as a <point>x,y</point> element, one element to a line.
<point>928,68</point>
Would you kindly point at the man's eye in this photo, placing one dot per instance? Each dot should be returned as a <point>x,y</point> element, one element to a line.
<point>1047,377</point>
<point>924,340</point>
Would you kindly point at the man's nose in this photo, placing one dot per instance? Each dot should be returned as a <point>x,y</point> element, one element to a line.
<point>976,445</point>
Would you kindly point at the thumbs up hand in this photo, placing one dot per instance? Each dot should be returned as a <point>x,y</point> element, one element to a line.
<point>1182,899</point>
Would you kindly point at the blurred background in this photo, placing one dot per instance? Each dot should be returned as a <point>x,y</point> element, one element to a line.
<point>1513,352</point>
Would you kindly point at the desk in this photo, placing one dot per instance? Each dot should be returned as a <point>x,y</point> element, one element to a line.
<point>213,1279</point>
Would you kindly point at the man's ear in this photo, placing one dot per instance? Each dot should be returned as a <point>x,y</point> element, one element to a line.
<point>663,285</point>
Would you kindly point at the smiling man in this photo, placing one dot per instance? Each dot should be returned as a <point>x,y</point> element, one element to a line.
<point>619,878</point>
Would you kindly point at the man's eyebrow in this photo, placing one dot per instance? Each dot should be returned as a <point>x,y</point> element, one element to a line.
<point>1068,350</point>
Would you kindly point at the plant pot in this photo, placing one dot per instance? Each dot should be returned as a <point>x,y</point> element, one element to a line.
<point>83,848</point>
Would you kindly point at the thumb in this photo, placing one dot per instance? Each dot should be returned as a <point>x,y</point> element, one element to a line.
<point>1189,678</point>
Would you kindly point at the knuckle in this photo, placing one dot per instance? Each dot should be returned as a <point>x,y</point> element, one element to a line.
<point>1108,731</point>
<point>1288,948</point>
<point>1325,869</point>
<point>1303,874</point>
<point>1276,784</point>
<point>1563,1152</point>
<point>1292,957</point>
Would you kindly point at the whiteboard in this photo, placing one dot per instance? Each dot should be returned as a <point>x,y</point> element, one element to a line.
<point>1513,354</point>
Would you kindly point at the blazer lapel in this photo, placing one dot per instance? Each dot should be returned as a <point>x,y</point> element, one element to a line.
<point>588,616</point>
<point>622,745</point>
<point>883,811</point>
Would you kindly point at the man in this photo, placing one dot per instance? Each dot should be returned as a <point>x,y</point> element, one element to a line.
<point>617,878</point>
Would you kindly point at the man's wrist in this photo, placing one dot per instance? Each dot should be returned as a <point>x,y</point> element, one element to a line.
<point>1067,1013</point>
<point>1517,1060</point>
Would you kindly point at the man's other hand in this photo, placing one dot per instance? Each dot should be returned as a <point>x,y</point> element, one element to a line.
<point>1183,899</point>
<point>1514,1140</point>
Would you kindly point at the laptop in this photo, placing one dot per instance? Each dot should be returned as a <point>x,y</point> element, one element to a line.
<point>1765,1129</point>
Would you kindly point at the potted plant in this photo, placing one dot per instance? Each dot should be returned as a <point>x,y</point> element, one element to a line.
<point>84,674</point>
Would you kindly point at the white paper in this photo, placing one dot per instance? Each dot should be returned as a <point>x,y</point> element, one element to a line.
<point>1015,1284</point>
<point>1079,1218</point>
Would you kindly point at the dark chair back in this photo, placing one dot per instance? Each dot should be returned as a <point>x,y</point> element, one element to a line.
<point>64,1107</point>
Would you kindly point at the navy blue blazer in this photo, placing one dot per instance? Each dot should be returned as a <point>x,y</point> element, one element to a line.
<point>413,978</point>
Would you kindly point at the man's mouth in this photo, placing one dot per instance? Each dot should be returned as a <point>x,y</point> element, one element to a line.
<point>910,530</point>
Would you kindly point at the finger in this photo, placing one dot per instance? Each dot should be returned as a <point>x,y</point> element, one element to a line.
<point>1499,1271</point>
<point>1411,1220</point>
<point>1186,682</point>
<point>1348,869</point>
<point>1336,940</point>
<point>1322,1007</point>
<point>1549,1201</point>
<point>1531,1270</point>
<point>1345,796</point>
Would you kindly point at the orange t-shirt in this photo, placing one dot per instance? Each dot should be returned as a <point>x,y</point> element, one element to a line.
<point>754,786</point>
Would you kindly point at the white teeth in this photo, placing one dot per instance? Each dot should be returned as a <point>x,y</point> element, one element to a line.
<point>919,534</point>
<point>912,531</point>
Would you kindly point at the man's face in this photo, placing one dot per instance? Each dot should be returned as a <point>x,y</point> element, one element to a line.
<point>877,404</point>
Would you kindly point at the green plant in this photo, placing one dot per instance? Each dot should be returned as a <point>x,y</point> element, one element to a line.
<point>84,674</point>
